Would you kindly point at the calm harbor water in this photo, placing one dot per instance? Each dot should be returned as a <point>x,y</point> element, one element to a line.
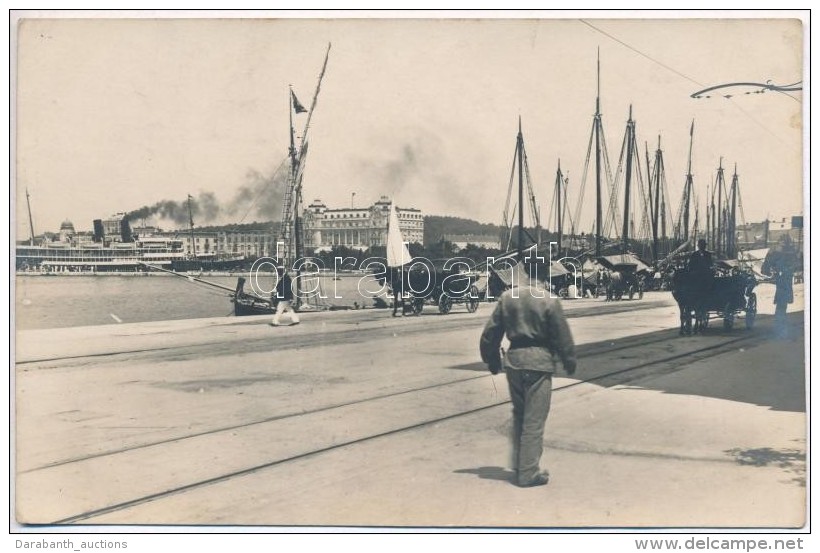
<point>65,301</point>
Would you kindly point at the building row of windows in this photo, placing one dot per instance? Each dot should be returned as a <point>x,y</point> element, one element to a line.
<point>364,215</point>
<point>361,225</point>
<point>357,238</point>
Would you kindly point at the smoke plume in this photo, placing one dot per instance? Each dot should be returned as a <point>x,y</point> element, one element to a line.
<point>260,196</point>
<point>419,172</point>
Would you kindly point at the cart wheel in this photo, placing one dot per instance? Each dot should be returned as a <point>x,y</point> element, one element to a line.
<point>472,300</point>
<point>728,316</point>
<point>751,310</point>
<point>445,303</point>
<point>417,305</point>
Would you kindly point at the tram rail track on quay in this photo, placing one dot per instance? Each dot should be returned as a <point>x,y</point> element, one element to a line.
<point>619,375</point>
<point>584,351</point>
<point>328,338</point>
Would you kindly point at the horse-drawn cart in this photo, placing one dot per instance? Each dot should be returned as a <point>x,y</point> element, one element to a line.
<point>702,298</point>
<point>440,284</point>
<point>453,286</point>
<point>624,276</point>
<point>624,281</point>
<point>730,297</point>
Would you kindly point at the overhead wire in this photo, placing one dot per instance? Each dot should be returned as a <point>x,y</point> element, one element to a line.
<point>647,56</point>
<point>688,78</point>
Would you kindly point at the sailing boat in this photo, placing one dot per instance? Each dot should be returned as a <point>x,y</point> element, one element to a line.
<point>723,226</point>
<point>290,237</point>
<point>503,273</point>
<point>685,232</point>
<point>683,229</point>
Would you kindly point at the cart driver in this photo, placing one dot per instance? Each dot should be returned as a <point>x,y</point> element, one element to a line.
<point>701,267</point>
<point>700,262</point>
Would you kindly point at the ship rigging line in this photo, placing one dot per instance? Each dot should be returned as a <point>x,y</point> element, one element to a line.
<point>264,189</point>
<point>647,56</point>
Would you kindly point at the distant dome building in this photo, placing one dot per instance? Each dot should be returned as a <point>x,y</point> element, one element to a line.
<point>66,231</point>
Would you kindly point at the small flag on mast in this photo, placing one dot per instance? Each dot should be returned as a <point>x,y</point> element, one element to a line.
<point>297,107</point>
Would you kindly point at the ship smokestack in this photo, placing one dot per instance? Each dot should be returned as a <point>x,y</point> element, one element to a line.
<point>125,231</point>
<point>99,233</point>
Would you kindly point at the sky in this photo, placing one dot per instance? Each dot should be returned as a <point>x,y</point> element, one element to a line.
<point>120,115</point>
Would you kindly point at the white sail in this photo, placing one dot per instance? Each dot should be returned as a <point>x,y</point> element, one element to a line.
<point>397,252</point>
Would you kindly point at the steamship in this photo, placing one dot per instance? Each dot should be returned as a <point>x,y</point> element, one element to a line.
<point>114,248</point>
<point>99,257</point>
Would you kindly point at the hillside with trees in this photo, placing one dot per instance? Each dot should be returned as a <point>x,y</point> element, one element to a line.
<point>438,226</point>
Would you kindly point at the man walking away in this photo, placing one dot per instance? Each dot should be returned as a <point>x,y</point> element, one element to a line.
<point>284,293</point>
<point>540,341</point>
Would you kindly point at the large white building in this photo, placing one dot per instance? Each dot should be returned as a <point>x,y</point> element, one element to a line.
<point>358,228</point>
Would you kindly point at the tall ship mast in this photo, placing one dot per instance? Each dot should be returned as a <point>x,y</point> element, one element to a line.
<point>630,153</point>
<point>191,228</point>
<point>598,130</point>
<point>718,212</point>
<point>722,216</point>
<point>602,171</point>
<point>655,197</point>
<point>559,207</point>
<point>521,167</point>
<point>629,166</point>
<point>683,230</point>
<point>731,226</point>
<point>30,220</point>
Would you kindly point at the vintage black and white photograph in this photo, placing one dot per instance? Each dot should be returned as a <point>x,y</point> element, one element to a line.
<point>397,270</point>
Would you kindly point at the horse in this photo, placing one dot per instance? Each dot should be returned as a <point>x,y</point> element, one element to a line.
<point>614,286</point>
<point>684,296</point>
<point>602,284</point>
<point>408,288</point>
<point>396,280</point>
<point>689,290</point>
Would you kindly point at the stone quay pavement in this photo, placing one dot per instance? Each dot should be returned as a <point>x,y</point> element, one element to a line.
<point>359,419</point>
